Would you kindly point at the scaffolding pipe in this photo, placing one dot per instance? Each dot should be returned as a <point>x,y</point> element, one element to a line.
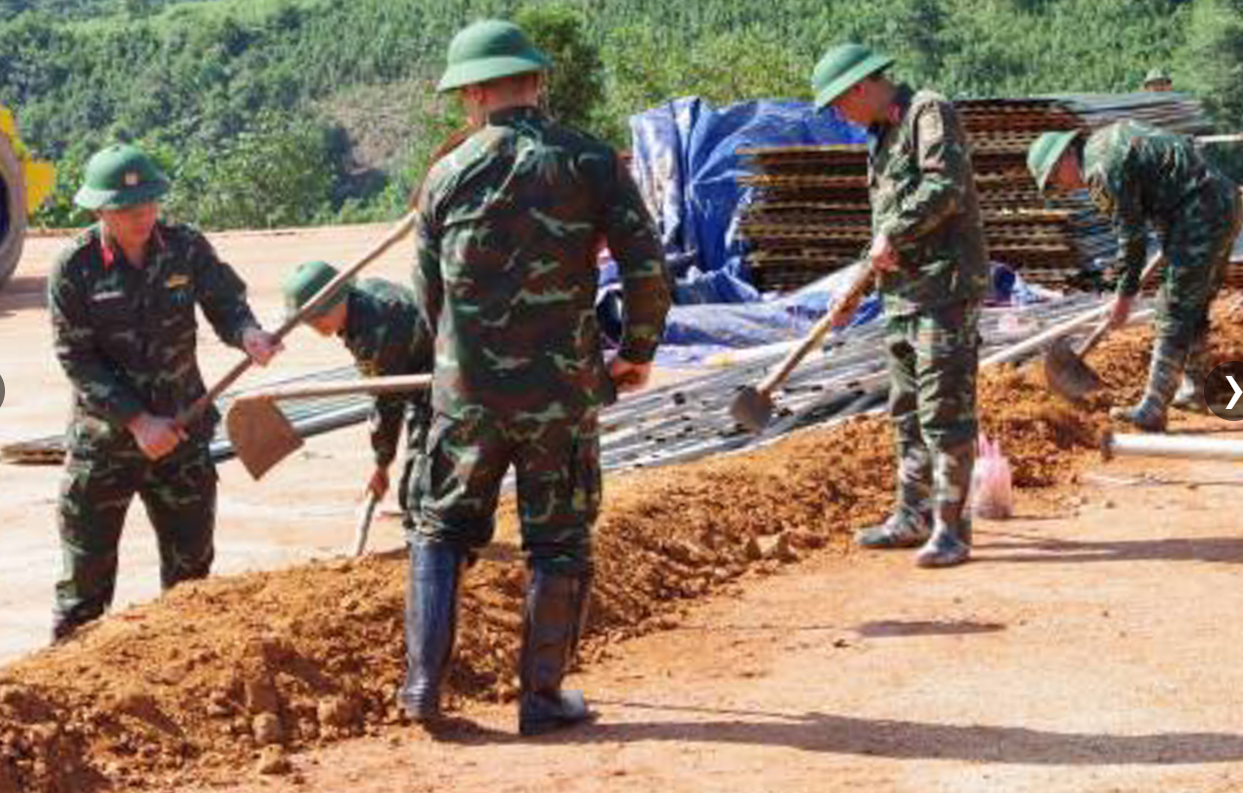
<point>1180,446</point>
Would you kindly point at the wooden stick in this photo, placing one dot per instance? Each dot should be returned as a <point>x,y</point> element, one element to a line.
<point>190,414</point>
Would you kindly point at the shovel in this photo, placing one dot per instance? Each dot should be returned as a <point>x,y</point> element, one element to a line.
<point>753,405</point>
<point>1065,371</point>
<point>362,527</point>
<point>403,227</point>
<point>262,436</point>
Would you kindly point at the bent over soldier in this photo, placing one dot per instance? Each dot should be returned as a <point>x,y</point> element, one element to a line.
<point>1138,175</point>
<point>380,325</point>
<point>122,300</point>
<point>928,248</point>
<point>509,227</point>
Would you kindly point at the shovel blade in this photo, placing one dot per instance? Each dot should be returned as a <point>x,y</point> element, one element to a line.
<point>751,409</point>
<point>260,434</point>
<point>1066,373</point>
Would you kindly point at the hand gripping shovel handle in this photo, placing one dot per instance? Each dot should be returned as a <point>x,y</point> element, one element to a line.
<point>1102,330</point>
<point>403,227</point>
<point>841,310</point>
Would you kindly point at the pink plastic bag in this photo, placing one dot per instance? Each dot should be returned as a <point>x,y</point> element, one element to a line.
<point>992,492</point>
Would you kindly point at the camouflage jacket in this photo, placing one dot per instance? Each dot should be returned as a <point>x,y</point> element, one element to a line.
<point>126,336</point>
<point>386,336</point>
<point>1138,174</point>
<point>922,189</point>
<point>508,233</point>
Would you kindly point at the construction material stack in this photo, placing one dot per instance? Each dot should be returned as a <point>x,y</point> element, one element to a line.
<point>807,214</point>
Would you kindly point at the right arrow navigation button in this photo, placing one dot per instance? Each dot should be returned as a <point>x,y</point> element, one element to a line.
<point>1222,391</point>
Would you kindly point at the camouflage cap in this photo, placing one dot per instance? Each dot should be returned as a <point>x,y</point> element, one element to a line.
<point>1044,153</point>
<point>842,67</point>
<point>305,282</point>
<point>119,176</point>
<point>488,50</point>
<point>1156,76</point>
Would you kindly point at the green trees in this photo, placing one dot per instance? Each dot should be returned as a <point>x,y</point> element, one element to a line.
<point>1211,60</point>
<point>576,86</point>
<point>244,90</point>
<point>277,173</point>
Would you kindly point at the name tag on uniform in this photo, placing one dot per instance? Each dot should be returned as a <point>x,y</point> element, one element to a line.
<point>100,297</point>
<point>177,280</point>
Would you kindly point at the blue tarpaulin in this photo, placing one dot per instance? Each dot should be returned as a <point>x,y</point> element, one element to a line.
<point>694,332</point>
<point>687,167</point>
<point>686,164</point>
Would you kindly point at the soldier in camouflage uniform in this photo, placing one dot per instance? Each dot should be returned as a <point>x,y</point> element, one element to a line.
<point>928,249</point>
<point>510,225</point>
<point>122,300</point>
<point>1138,175</point>
<point>380,325</point>
<point>1157,80</point>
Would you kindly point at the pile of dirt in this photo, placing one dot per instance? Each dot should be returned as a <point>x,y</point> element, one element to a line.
<point>229,673</point>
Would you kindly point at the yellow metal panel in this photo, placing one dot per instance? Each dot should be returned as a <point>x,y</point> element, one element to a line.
<point>40,181</point>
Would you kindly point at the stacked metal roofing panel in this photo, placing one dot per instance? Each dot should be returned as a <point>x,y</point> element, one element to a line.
<point>808,214</point>
<point>685,420</point>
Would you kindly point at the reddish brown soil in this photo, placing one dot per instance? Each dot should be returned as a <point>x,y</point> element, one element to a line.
<point>180,688</point>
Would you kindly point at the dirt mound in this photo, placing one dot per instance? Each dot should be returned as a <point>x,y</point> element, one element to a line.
<point>223,674</point>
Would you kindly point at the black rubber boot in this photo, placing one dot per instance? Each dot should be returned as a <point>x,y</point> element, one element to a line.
<point>899,531</point>
<point>1164,374</point>
<point>62,630</point>
<point>431,623</point>
<point>1149,415</point>
<point>556,606</point>
<point>948,546</point>
<point>1190,395</point>
<point>950,543</point>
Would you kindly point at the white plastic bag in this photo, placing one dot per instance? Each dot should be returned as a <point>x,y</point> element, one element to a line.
<point>992,492</point>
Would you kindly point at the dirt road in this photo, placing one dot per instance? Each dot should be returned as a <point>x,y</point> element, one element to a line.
<point>298,512</point>
<point>1094,646</point>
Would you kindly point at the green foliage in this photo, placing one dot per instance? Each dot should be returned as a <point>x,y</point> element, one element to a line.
<point>275,174</point>
<point>649,66</point>
<point>435,119</point>
<point>576,87</point>
<point>1211,60</point>
<point>236,89</point>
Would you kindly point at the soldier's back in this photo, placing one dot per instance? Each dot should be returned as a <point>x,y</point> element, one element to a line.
<point>516,214</point>
<point>1165,167</point>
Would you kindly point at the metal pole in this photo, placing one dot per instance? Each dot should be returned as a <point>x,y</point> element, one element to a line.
<point>1181,446</point>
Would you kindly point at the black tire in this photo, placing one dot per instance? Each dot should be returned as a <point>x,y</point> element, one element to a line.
<point>12,211</point>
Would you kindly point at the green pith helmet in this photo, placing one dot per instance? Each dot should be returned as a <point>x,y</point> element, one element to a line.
<point>305,282</point>
<point>1044,153</point>
<point>842,67</point>
<point>488,50</point>
<point>1156,76</point>
<point>119,176</point>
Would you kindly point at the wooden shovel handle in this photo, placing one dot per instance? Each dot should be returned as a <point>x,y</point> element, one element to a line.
<point>1102,330</point>
<point>859,287</point>
<point>403,227</point>
<point>367,385</point>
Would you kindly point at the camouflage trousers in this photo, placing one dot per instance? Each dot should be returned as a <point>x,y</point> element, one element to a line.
<point>1197,247</point>
<point>179,493</point>
<point>933,360</point>
<point>556,464</point>
<point>418,422</point>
